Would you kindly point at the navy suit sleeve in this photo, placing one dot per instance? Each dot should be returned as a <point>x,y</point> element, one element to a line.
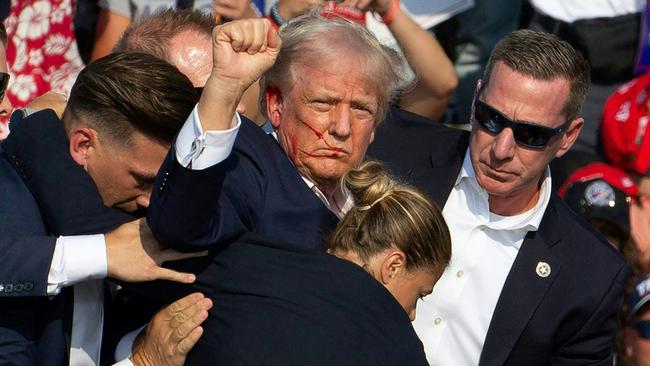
<point>593,343</point>
<point>200,209</point>
<point>25,265</point>
<point>66,195</point>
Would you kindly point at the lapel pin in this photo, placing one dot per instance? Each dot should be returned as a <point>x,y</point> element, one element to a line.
<point>543,269</point>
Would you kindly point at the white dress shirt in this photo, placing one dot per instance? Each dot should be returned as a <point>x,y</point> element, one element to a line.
<point>453,320</point>
<point>571,10</point>
<point>81,261</point>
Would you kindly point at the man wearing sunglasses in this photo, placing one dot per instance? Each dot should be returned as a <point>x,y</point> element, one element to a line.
<point>529,282</point>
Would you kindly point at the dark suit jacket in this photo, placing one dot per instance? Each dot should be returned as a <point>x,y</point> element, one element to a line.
<point>279,306</point>
<point>256,189</point>
<point>279,299</point>
<point>31,327</point>
<point>567,318</point>
<point>61,200</point>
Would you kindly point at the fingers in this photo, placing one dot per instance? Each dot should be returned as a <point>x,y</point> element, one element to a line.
<point>188,314</point>
<point>272,38</point>
<point>247,35</point>
<point>185,302</point>
<point>171,275</point>
<point>185,345</point>
<point>188,322</point>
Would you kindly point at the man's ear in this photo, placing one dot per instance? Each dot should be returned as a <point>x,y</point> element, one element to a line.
<point>392,266</point>
<point>570,136</point>
<point>82,140</point>
<point>273,98</point>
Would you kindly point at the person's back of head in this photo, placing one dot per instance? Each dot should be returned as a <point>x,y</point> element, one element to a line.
<point>327,41</point>
<point>393,232</point>
<point>127,92</point>
<point>544,56</point>
<point>181,37</point>
<point>153,34</point>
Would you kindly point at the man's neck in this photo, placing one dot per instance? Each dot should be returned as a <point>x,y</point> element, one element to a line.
<point>515,204</point>
<point>333,194</point>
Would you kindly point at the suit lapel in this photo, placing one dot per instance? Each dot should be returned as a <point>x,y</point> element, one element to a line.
<point>523,290</point>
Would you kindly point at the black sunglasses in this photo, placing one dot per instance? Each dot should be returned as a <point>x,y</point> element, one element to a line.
<point>4,81</point>
<point>526,134</point>
<point>642,327</point>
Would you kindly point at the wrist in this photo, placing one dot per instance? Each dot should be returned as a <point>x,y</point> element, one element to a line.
<point>388,16</point>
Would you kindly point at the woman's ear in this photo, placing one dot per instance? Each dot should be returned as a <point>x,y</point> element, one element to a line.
<point>392,266</point>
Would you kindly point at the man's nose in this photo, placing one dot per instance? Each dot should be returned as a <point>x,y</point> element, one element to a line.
<point>504,144</point>
<point>143,199</point>
<point>340,122</point>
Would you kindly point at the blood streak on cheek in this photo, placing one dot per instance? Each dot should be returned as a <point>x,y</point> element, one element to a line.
<point>319,135</point>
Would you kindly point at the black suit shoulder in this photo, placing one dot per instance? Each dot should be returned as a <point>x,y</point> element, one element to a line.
<point>407,142</point>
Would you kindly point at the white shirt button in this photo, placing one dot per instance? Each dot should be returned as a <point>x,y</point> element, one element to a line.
<point>437,320</point>
<point>460,273</point>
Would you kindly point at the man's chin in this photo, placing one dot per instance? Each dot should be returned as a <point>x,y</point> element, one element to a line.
<point>494,186</point>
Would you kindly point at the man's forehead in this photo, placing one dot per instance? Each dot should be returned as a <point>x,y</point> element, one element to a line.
<point>525,98</point>
<point>335,84</point>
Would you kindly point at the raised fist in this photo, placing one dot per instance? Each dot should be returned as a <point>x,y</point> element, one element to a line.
<point>243,50</point>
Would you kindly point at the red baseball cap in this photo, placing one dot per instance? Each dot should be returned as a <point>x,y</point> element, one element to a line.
<point>624,130</point>
<point>599,190</point>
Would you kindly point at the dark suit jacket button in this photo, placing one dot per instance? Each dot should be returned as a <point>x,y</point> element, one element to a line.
<point>28,286</point>
<point>19,287</point>
<point>9,288</point>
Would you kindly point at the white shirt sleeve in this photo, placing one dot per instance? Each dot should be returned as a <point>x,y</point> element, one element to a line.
<point>125,362</point>
<point>197,149</point>
<point>76,259</point>
<point>124,347</point>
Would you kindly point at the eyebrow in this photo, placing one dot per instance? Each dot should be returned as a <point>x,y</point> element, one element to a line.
<point>513,119</point>
<point>143,177</point>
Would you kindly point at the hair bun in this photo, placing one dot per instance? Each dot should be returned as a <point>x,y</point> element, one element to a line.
<point>368,184</point>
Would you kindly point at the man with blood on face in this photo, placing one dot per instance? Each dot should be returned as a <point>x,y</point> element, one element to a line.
<point>267,202</point>
<point>324,113</point>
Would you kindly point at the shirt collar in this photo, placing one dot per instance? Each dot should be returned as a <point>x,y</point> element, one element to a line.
<point>528,221</point>
<point>348,200</point>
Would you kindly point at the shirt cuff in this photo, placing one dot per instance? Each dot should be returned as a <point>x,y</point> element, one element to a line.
<point>77,259</point>
<point>125,362</point>
<point>197,149</point>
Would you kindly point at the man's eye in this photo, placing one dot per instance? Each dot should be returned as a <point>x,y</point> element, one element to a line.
<point>320,105</point>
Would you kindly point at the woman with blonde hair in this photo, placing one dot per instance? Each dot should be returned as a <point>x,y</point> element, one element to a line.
<point>394,233</point>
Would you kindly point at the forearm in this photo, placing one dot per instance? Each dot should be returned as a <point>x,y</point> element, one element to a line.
<point>425,55</point>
